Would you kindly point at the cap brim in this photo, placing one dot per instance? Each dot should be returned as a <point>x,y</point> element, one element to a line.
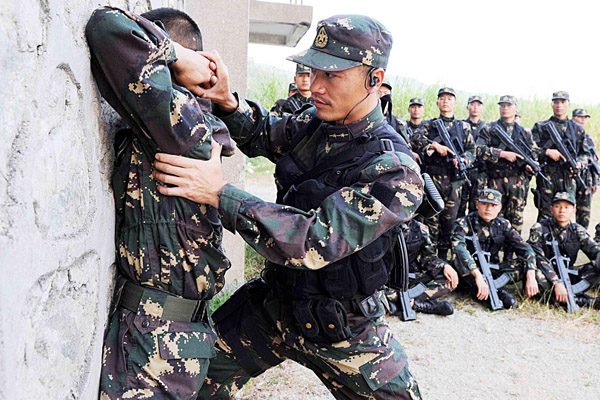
<point>322,61</point>
<point>489,201</point>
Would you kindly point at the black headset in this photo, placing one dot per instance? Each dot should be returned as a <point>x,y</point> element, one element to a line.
<point>373,80</point>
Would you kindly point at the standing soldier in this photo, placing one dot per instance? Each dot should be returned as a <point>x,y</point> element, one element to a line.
<point>494,233</point>
<point>346,183</point>
<point>518,117</point>
<point>562,177</point>
<point>476,173</point>
<point>292,89</point>
<point>387,106</point>
<point>303,96</point>
<point>589,175</point>
<point>436,274</point>
<point>571,238</point>
<point>416,109</point>
<point>440,162</point>
<point>505,169</point>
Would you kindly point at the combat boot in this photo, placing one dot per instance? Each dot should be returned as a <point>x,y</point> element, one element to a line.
<point>433,307</point>
<point>508,301</point>
<point>583,300</point>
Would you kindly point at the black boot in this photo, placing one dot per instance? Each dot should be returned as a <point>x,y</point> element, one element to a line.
<point>583,300</point>
<point>433,307</point>
<point>508,301</point>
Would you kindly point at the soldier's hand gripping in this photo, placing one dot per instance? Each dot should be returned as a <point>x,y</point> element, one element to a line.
<point>483,290</point>
<point>451,275</point>
<point>220,92</point>
<point>192,70</point>
<point>441,149</point>
<point>510,156</point>
<point>455,161</point>
<point>555,155</point>
<point>531,285</point>
<point>196,180</point>
<point>560,291</point>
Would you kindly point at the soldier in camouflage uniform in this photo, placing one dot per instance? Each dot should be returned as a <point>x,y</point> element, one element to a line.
<point>504,168</point>
<point>493,232</point>
<point>169,255</point>
<point>518,117</point>
<point>476,172</point>
<point>346,183</point>
<point>435,273</point>
<point>292,89</point>
<point>583,195</point>
<point>302,96</point>
<point>438,162</point>
<point>399,125</point>
<point>416,109</point>
<point>572,238</point>
<point>552,161</point>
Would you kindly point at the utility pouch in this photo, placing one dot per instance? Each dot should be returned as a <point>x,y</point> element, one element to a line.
<point>370,306</point>
<point>302,310</point>
<point>333,320</point>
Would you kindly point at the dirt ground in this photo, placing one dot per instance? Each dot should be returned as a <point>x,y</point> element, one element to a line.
<point>526,353</point>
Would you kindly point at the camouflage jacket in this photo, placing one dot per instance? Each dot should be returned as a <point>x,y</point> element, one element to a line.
<point>489,146</point>
<point>347,220</point>
<point>492,236</point>
<point>571,239</point>
<point>475,127</point>
<point>291,104</point>
<point>422,254</point>
<point>427,133</point>
<point>165,242</point>
<point>569,130</point>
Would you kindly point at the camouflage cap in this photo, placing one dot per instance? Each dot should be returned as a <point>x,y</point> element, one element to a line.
<point>446,90</point>
<point>416,101</point>
<point>387,84</point>
<point>347,41</point>
<point>508,99</point>
<point>490,196</point>
<point>292,87</point>
<point>518,114</point>
<point>474,98</point>
<point>564,196</point>
<point>580,112</point>
<point>562,95</point>
<point>302,69</point>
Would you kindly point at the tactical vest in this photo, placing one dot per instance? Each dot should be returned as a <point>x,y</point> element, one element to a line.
<point>362,273</point>
<point>504,168</point>
<point>492,244</point>
<point>438,165</point>
<point>569,248</point>
<point>414,242</point>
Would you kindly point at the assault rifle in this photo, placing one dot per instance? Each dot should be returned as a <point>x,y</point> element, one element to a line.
<point>483,260</point>
<point>594,160</point>
<point>510,144</point>
<point>560,146</point>
<point>399,279</point>
<point>561,264</point>
<point>449,144</point>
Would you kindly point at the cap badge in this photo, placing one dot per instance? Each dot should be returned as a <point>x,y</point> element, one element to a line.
<point>322,38</point>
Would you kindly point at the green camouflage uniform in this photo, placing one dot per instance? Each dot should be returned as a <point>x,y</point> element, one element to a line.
<point>370,363</point>
<point>424,262</point>
<point>510,179</point>
<point>571,238</point>
<point>169,245</point>
<point>290,105</point>
<point>447,179</point>
<point>558,173</point>
<point>476,174</point>
<point>490,234</point>
<point>584,195</point>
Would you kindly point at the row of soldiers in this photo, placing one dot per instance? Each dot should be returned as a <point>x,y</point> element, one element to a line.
<point>486,168</point>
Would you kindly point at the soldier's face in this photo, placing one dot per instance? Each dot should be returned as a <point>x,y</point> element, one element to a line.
<point>416,111</point>
<point>508,110</point>
<point>336,93</point>
<point>581,120</point>
<point>488,211</point>
<point>475,109</point>
<point>446,103</point>
<point>562,211</point>
<point>384,90</point>
<point>560,107</point>
<point>303,82</point>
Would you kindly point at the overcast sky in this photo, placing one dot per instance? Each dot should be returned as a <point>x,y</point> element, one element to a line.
<point>525,48</point>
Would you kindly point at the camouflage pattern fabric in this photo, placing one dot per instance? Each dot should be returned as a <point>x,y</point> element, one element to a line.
<point>445,176</point>
<point>597,235</point>
<point>476,173</point>
<point>583,195</point>
<point>574,233</point>
<point>369,365</point>
<point>291,104</point>
<point>558,173</point>
<point>167,243</point>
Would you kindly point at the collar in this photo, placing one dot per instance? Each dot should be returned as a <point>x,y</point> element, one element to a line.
<point>302,99</point>
<point>557,227</point>
<point>559,121</point>
<point>348,132</point>
<point>505,124</point>
<point>446,119</point>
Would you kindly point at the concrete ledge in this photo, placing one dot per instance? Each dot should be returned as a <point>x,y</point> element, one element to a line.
<point>278,23</point>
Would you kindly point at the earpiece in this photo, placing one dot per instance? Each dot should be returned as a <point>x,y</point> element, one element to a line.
<point>373,80</point>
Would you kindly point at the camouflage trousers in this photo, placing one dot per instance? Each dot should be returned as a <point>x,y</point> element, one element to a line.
<point>470,194</point>
<point>583,198</point>
<point>440,226</point>
<point>560,181</point>
<point>371,364</point>
<point>586,271</point>
<point>514,190</point>
<point>146,357</point>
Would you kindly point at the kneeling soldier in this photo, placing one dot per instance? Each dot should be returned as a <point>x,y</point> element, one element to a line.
<point>437,277</point>
<point>476,241</point>
<point>558,234</point>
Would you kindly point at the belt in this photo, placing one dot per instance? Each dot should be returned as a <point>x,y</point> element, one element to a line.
<point>174,309</point>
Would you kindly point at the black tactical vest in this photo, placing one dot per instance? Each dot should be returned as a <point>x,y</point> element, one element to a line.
<point>414,242</point>
<point>439,165</point>
<point>492,244</point>
<point>361,273</point>
<point>569,248</point>
<point>504,168</point>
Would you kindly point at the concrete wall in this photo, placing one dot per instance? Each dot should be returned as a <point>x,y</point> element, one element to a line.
<point>57,210</point>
